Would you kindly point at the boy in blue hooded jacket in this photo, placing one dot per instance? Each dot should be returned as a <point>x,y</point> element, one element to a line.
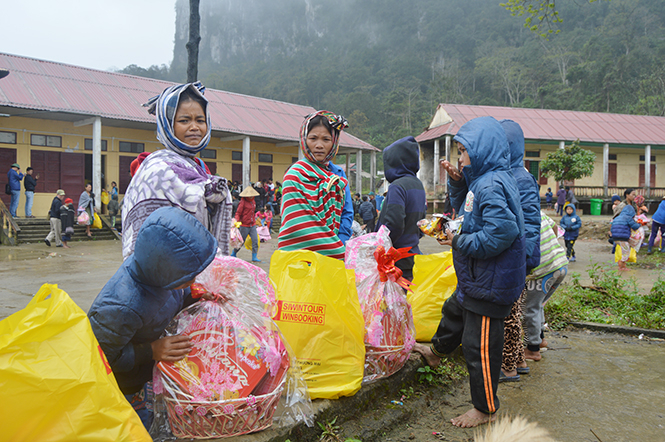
<point>490,261</point>
<point>140,300</point>
<point>571,223</point>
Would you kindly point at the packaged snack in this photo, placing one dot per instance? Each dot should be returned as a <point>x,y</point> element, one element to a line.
<point>231,381</point>
<point>437,225</point>
<point>389,329</point>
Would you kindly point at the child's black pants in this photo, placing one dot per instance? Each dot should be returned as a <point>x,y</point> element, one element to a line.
<point>482,343</point>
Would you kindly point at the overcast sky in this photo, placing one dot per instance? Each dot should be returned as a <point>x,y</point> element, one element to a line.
<point>90,33</point>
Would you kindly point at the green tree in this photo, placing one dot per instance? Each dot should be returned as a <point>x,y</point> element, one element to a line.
<point>541,15</point>
<point>570,163</point>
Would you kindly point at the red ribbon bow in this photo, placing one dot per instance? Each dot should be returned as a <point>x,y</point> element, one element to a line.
<point>385,264</point>
<point>198,291</point>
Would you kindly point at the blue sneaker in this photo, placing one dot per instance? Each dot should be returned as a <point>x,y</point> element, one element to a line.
<point>572,259</point>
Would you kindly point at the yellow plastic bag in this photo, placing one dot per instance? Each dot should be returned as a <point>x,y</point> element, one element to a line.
<point>319,314</point>
<point>434,280</point>
<point>55,383</point>
<point>105,197</point>
<point>248,243</point>
<point>97,223</point>
<point>617,254</point>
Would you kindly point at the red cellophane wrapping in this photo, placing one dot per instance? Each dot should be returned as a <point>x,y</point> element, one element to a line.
<point>389,330</point>
<point>231,381</point>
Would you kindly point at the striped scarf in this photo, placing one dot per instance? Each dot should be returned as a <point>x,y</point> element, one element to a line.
<point>312,201</point>
<point>164,106</point>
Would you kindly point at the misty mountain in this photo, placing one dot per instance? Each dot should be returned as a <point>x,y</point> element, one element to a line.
<point>387,64</point>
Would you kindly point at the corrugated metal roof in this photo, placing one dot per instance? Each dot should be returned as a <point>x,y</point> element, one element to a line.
<point>557,125</point>
<point>49,86</point>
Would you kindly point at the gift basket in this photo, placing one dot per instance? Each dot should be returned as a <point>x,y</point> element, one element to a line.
<point>231,381</point>
<point>436,225</point>
<point>389,329</point>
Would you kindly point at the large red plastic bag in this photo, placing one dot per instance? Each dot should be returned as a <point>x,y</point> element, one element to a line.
<point>319,314</point>
<point>55,382</point>
<point>231,381</point>
<point>389,329</point>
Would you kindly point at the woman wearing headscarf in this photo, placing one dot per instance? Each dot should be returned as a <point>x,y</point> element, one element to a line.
<point>317,211</point>
<point>87,204</point>
<point>174,176</point>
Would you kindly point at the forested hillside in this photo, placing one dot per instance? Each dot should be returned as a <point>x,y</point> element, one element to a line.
<point>386,64</point>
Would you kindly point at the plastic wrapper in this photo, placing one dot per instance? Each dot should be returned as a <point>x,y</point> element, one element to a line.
<point>389,329</point>
<point>436,225</point>
<point>235,237</point>
<point>240,365</point>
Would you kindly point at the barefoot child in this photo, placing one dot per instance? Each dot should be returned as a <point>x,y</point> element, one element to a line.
<point>131,312</point>
<point>571,223</point>
<point>490,261</point>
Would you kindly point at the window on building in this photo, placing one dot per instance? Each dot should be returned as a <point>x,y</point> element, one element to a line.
<point>126,146</point>
<point>45,140</point>
<point>612,156</point>
<point>653,158</point>
<point>265,158</point>
<point>8,137</point>
<point>532,153</point>
<point>208,153</point>
<point>236,156</point>
<point>88,144</point>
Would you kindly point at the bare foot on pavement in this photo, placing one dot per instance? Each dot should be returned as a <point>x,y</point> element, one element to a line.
<point>430,358</point>
<point>472,418</point>
<point>532,355</point>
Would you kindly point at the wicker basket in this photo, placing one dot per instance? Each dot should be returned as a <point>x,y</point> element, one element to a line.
<point>232,417</point>
<point>381,362</point>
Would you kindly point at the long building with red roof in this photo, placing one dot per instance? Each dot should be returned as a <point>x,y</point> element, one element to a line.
<point>629,148</point>
<point>49,113</point>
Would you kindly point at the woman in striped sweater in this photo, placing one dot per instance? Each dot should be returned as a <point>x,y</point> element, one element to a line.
<point>317,211</point>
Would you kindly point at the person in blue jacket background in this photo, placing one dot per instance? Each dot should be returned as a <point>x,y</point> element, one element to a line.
<point>621,228</point>
<point>571,223</point>
<point>346,220</point>
<point>657,223</point>
<point>151,286</point>
<point>513,348</point>
<point>490,261</point>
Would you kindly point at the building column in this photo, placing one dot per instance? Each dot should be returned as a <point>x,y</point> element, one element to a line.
<point>372,171</point>
<point>445,174</point>
<point>647,169</point>
<point>97,161</point>
<point>246,161</point>
<point>348,170</point>
<point>436,167</point>
<point>359,171</point>
<point>606,168</point>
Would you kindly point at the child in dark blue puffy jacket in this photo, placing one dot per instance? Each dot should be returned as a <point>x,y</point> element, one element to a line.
<point>571,223</point>
<point>489,255</point>
<point>140,300</point>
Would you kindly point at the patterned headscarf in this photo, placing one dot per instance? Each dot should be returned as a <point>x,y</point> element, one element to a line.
<point>337,122</point>
<point>639,200</point>
<point>164,106</point>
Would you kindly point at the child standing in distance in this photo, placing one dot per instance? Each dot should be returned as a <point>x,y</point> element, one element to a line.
<point>571,223</point>
<point>67,216</point>
<point>548,197</point>
<point>151,286</point>
<point>368,214</point>
<point>490,261</point>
